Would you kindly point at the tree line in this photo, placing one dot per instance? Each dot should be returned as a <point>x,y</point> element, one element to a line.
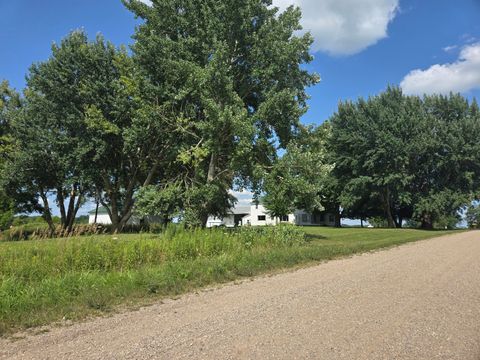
<point>394,159</point>
<point>207,99</point>
<point>200,104</point>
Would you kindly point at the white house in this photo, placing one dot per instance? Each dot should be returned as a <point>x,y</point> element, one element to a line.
<point>241,215</point>
<point>257,215</point>
<point>102,216</point>
<point>104,219</point>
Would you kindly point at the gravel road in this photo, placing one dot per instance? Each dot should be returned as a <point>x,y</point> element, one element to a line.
<point>417,301</point>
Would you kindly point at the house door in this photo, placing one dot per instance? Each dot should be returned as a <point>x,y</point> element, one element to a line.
<point>238,220</point>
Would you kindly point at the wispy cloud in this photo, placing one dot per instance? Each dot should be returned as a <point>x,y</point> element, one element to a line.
<point>468,38</point>
<point>450,48</point>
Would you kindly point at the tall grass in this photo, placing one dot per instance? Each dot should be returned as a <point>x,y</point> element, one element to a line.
<point>43,281</point>
<point>49,280</point>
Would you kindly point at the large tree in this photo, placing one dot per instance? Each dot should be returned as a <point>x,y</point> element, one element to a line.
<point>88,127</point>
<point>49,131</point>
<point>406,157</point>
<point>370,145</point>
<point>232,72</point>
<point>446,158</point>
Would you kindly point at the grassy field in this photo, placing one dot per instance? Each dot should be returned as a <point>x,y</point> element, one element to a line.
<point>46,281</point>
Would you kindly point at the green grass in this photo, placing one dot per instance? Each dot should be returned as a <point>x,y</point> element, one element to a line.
<point>45,281</point>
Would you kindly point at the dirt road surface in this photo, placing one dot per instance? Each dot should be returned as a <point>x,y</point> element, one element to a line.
<point>417,301</point>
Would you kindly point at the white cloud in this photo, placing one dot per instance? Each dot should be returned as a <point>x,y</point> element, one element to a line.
<point>460,76</point>
<point>345,27</point>
<point>468,39</point>
<point>450,48</point>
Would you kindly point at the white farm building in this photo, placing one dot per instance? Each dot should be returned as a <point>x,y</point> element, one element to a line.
<point>240,215</point>
<point>101,216</point>
<point>257,215</point>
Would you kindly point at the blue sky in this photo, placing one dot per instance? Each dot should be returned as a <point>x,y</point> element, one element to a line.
<point>415,35</point>
<point>361,45</point>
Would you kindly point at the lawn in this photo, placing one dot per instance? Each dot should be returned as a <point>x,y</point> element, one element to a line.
<point>46,281</point>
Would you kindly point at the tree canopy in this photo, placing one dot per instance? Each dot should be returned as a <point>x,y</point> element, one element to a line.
<point>406,157</point>
<point>209,99</point>
<point>299,179</point>
<point>232,72</point>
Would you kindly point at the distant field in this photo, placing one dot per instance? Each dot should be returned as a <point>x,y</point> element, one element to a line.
<point>46,281</point>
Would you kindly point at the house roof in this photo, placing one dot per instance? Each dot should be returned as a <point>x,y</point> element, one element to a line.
<point>101,211</point>
<point>237,210</point>
<point>241,210</point>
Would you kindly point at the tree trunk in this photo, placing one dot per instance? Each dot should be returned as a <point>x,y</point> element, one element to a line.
<point>120,216</point>
<point>204,220</point>
<point>74,212</point>
<point>119,220</point>
<point>212,173</point>
<point>361,223</point>
<point>388,209</point>
<point>113,212</point>
<point>47,215</point>
<point>166,220</point>
<point>68,215</point>
<point>96,211</point>
<point>427,223</point>
<point>212,168</point>
<point>338,217</point>
<point>71,209</point>
<point>61,206</point>
<point>125,218</point>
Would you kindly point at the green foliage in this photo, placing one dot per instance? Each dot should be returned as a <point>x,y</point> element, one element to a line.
<point>83,219</point>
<point>299,178</point>
<point>473,216</point>
<point>233,74</point>
<point>201,201</point>
<point>9,104</point>
<point>402,157</point>
<point>25,220</point>
<point>45,281</point>
<point>7,211</point>
<point>51,142</point>
<point>447,222</point>
<point>164,202</point>
<point>88,127</point>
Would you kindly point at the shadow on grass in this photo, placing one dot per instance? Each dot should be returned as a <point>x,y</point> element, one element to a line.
<point>311,237</point>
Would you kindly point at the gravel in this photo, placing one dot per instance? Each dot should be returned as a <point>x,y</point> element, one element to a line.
<point>417,301</point>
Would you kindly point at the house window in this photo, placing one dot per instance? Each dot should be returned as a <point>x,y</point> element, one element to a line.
<point>284,218</point>
<point>305,218</point>
<point>262,218</point>
<point>331,218</point>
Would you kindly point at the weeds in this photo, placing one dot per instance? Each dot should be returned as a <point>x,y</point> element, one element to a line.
<point>48,280</point>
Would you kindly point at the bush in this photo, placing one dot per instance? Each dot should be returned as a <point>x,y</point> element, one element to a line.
<point>281,235</point>
<point>37,259</point>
